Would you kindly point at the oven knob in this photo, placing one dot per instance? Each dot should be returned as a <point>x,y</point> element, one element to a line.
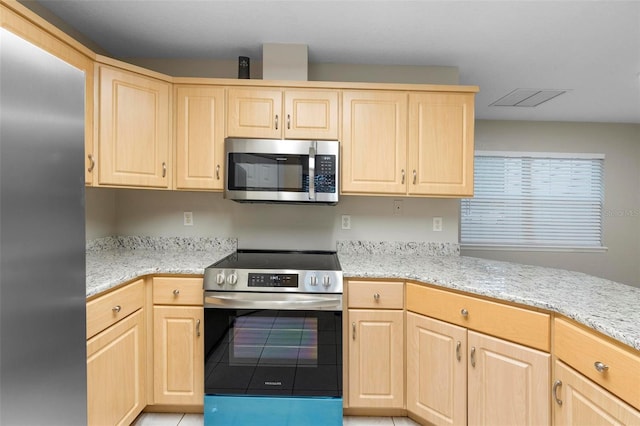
<point>232,279</point>
<point>314,280</point>
<point>326,281</point>
<point>220,279</point>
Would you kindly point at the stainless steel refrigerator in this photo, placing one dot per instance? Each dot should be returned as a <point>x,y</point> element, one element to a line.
<point>42,238</point>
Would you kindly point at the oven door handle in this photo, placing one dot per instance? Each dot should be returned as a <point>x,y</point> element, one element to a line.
<point>281,301</point>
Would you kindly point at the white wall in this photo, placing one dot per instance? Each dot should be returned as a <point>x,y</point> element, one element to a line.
<point>621,226</point>
<point>160,213</point>
<point>100,206</point>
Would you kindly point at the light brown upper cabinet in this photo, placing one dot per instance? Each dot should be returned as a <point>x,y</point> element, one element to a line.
<point>274,113</point>
<point>199,115</point>
<point>441,144</point>
<point>399,143</point>
<point>374,142</point>
<point>134,129</point>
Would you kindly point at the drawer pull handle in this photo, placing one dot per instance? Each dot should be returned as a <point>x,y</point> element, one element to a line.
<point>116,308</point>
<point>600,366</point>
<point>353,330</point>
<point>376,297</point>
<point>415,175</point>
<point>218,172</point>
<point>464,312</point>
<point>402,177</point>
<point>198,327</point>
<point>458,354</point>
<point>176,292</point>
<point>473,356</point>
<point>288,121</point>
<point>164,169</point>
<point>93,163</point>
<point>276,121</point>
<point>556,385</point>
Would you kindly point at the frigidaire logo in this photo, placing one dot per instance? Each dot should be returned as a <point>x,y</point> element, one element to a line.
<point>273,383</point>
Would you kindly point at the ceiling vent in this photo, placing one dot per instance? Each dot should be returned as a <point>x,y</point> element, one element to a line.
<point>527,97</point>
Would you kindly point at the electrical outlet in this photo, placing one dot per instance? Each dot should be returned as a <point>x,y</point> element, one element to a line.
<point>397,207</point>
<point>437,224</point>
<point>346,221</point>
<point>188,218</point>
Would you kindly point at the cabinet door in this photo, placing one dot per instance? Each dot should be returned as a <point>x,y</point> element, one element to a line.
<point>436,370</point>
<point>441,144</point>
<point>115,373</point>
<point>254,113</point>
<point>376,364</point>
<point>508,384</point>
<point>311,114</point>
<point>134,130</point>
<point>585,403</point>
<point>178,355</point>
<point>374,142</point>
<point>199,137</point>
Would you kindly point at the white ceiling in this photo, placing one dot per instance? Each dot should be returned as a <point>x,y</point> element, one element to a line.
<point>591,48</point>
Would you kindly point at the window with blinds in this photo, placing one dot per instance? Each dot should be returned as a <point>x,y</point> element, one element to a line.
<point>538,200</point>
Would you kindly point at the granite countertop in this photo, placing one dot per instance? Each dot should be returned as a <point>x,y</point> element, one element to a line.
<point>606,306</point>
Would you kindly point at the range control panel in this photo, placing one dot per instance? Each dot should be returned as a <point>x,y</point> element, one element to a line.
<point>273,281</point>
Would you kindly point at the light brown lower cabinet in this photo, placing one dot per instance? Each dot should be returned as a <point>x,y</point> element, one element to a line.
<point>178,355</point>
<point>115,372</point>
<point>178,341</point>
<point>579,401</point>
<point>376,359</point>
<point>457,376</point>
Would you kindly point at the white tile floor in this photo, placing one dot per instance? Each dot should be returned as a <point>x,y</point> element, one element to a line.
<point>178,419</point>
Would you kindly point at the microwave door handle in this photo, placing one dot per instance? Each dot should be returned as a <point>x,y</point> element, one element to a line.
<point>312,171</point>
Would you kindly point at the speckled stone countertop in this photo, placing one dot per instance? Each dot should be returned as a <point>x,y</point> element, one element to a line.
<point>606,306</point>
<point>114,261</point>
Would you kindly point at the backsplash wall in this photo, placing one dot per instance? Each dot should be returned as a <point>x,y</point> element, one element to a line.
<point>160,213</point>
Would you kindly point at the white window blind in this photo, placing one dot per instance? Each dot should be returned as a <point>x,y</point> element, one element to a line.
<point>535,200</point>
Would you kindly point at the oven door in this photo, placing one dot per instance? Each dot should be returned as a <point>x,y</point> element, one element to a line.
<point>273,350</point>
<point>273,359</point>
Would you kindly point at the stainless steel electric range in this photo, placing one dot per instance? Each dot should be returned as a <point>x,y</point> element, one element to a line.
<point>273,339</point>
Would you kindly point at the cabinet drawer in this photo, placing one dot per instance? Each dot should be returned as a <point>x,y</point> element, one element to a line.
<point>177,291</point>
<point>582,349</point>
<point>375,294</point>
<point>507,322</point>
<point>112,307</point>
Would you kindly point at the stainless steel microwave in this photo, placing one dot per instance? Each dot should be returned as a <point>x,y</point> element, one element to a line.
<point>285,171</point>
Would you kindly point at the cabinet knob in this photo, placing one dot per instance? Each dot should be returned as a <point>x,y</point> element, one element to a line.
<point>116,308</point>
<point>376,297</point>
<point>464,312</point>
<point>176,292</point>
<point>600,366</point>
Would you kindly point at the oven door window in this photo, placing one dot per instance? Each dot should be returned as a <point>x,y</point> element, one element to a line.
<point>268,172</point>
<point>273,352</point>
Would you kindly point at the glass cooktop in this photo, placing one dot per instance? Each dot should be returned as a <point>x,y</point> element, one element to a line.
<point>278,259</point>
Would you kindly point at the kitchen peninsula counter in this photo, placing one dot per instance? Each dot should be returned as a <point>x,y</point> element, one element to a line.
<point>606,306</point>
